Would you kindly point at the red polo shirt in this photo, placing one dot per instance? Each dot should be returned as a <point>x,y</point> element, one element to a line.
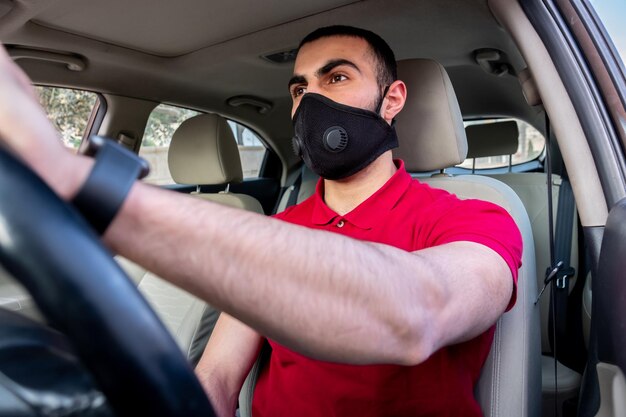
<point>409,215</point>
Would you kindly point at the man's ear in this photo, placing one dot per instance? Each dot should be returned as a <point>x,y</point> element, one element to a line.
<point>394,101</point>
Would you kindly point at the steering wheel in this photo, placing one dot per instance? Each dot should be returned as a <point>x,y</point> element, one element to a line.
<point>55,254</point>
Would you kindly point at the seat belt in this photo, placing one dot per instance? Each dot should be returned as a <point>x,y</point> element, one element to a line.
<point>295,190</point>
<point>558,273</point>
<point>562,250</point>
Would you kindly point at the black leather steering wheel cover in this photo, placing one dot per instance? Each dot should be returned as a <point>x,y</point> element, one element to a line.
<point>40,374</point>
<point>47,246</point>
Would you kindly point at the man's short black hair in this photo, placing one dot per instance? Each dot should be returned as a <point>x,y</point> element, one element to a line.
<point>386,69</point>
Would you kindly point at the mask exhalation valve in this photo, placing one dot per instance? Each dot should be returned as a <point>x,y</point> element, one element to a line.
<point>335,139</point>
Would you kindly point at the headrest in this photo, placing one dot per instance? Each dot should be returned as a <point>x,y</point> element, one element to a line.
<point>430,127</point>
<point>203,151</point>
<point>492,139</point>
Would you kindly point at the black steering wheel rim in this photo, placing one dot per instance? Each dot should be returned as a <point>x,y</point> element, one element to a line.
<point>47,246</point>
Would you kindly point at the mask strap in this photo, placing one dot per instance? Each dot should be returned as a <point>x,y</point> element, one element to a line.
<point>380,103</point>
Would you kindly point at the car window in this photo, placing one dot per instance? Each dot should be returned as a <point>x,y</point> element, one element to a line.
<point>163,122</point>
<point>251,149</point>
<point>531,144</point>
<point>69,111</point>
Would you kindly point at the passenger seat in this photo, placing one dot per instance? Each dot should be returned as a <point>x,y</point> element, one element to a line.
<point>203,151</point>
<point>432,137</point>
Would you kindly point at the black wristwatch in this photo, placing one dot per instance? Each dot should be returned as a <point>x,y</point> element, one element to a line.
<point>113,174</point>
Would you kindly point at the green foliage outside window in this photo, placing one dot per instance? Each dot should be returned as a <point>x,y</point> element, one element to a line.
<point>68,110</point>
<point>162,124</point>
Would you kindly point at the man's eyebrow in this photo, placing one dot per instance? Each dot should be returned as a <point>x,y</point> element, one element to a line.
<point>333,64</point>
<point>296,79</point>
<point>330,65</point>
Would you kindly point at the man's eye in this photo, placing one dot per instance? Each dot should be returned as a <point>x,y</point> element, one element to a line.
<point>338,78</point>
<point>298,91</point>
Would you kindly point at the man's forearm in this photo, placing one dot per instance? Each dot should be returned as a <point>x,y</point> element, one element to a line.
<point>293,284</point>
<point>323,294</point>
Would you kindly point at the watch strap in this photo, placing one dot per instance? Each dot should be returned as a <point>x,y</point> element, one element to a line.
<point>115,171</point>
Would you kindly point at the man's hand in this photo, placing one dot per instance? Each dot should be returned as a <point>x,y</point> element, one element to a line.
<point>25,129</point>
<point>226,361</point>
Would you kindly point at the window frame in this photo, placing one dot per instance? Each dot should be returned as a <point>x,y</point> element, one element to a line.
<point>95,120</point>
<point>546,18</point>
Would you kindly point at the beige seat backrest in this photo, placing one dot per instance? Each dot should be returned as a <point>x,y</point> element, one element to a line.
<point>203,151</point>
<point>431,136</point>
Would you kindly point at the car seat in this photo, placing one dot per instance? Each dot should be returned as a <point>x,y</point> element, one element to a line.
<point>432,137</point>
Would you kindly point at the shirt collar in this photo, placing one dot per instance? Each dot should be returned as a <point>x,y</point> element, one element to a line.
<point>375,208</point>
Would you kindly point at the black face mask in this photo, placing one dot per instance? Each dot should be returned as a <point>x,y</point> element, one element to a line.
<point>335,140</point>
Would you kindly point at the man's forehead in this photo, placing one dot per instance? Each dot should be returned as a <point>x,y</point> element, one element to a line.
<point>333,48</point>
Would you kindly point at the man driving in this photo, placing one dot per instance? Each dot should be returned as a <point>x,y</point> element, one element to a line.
<point>391,313</point>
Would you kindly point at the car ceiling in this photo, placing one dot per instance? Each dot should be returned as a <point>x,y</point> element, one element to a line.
<point>200,53</point>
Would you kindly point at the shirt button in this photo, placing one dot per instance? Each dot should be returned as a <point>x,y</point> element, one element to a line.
<point>340,223</point>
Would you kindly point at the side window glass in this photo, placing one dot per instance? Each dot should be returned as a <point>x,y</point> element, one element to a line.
<point>531,145</point>
<point>69,111</point>
<point>251,149</point>
<point>162,123</point>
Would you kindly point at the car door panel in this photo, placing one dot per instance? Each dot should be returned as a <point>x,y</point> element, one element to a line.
<point>604,390</point>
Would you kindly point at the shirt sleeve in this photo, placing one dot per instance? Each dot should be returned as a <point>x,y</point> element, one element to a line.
<point>481,222</point>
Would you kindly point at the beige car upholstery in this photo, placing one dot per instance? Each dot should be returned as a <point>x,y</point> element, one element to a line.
<point>203,151</point>
<point>531,189</point>
<point>431,135</point>
<point>430,118</point>
<point>189,319</point>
